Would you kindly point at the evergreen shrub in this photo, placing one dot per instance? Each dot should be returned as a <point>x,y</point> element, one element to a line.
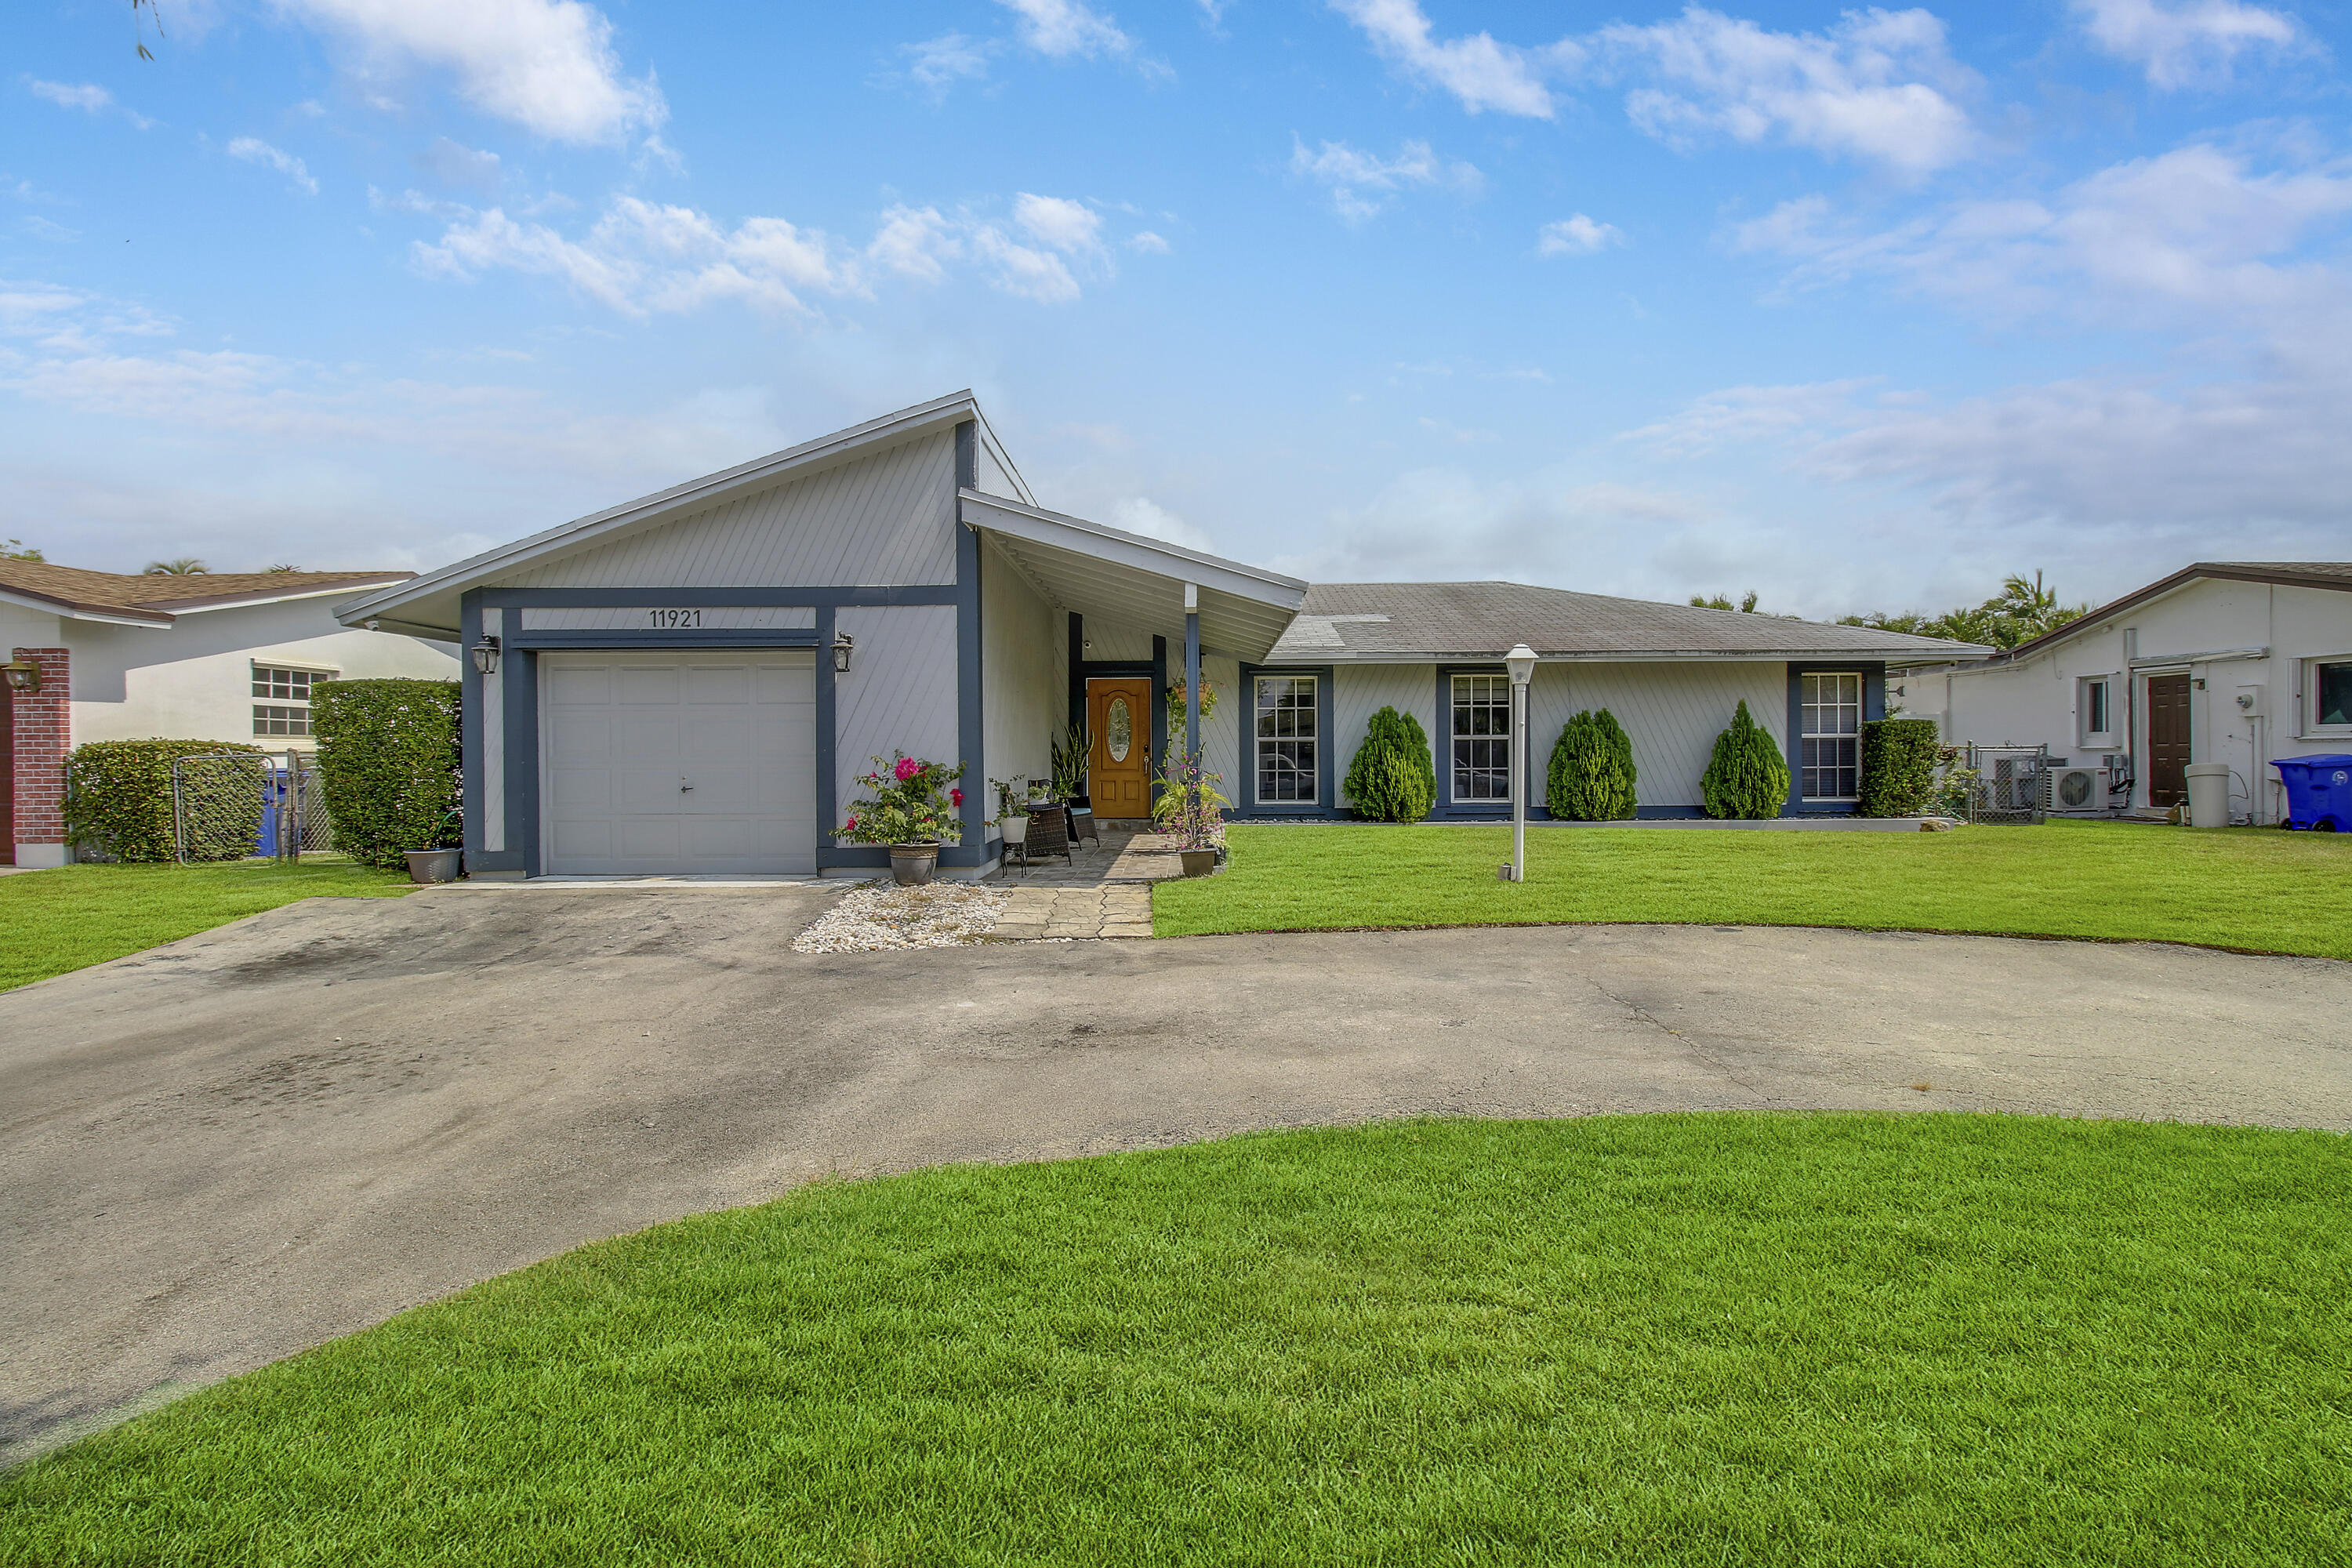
<point>118,801</point>
<point>1899,758</point>
<point>388,758</point>
<point>1591,775</point>
<point>1749,777</point>
<point>1393,778</point>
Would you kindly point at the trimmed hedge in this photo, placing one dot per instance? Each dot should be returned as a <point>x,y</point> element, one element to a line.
<point>1393,778</point>
<point>388,758</point>
<point>118,801</point>
<point>1749,777</point>
<point>1899,757</point>
<point>1591,775</point>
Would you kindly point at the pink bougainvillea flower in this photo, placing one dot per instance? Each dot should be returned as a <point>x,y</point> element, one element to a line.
<point>908,768</point>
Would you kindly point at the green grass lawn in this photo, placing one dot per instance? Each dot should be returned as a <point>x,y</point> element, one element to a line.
<point>2259,889</point>
<point>53,921</point>
<point>1961,1339</point>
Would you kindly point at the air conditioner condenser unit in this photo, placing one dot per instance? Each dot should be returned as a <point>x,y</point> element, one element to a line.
<point>2074,790</point>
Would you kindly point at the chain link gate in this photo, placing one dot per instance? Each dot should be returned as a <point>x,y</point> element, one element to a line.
<point>2008,788</point>
<point>218,799</point>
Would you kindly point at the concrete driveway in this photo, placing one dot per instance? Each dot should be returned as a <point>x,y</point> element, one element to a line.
<point>224,1150</point>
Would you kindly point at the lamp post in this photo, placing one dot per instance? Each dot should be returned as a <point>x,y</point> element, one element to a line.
<point>1521,662</point>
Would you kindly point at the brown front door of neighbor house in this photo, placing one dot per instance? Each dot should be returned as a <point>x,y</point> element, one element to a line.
<point>2168,739</point>
<point>1119,766</point>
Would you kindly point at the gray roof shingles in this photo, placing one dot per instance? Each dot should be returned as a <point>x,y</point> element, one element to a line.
<point>1342,622</point>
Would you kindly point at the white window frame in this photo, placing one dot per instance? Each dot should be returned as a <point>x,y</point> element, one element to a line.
<point>286,709</point>
<point>1807,708</point>
<point>1310,688</point>
<point>2086,733</point>
<point>2312,727</point>
<point>1494,680</point>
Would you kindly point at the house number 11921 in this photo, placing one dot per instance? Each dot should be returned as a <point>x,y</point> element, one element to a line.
<point>665,620</point>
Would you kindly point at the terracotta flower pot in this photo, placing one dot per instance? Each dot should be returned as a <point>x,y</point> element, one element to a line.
<point>911,865</point>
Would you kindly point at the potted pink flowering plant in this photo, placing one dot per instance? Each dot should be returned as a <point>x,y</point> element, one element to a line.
<point>911,805</point>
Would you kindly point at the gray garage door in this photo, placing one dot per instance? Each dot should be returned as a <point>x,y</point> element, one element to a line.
<point>665,763</point>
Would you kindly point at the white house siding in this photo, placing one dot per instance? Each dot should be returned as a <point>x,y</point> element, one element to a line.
<point>1220,736</point>
<point>1024,696</point>
<point>21,627</point>
<point>2035,701</point>
<point>1360,690</point>
<point>888,519</point>
<point>900,693</point>
<point>1109,639</point>
<point>989,475</point>
<point>194,679</point>
<point>1672,711</point>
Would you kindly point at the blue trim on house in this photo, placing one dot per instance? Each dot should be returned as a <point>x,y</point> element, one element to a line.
<point>1874,706</point>
<point>971,722</point>
<point>827,796</point>
<point>630,598</point>
<point>1159,712</point>
<point>1075,662</point>
<point>520,694</point>
<point>622,641</point>
<point>1194,723</point>
<point>1326,798</point>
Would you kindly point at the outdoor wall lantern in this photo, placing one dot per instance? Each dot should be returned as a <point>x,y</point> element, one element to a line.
<point>24,675</point>
<point>486,655</point>
<point>843,647</point>
<point>1521,662</point>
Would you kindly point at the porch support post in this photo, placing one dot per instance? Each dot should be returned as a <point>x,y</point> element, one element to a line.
<point>1192,674</point>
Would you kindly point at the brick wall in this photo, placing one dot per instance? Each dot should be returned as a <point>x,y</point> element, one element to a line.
<point>44,733</point>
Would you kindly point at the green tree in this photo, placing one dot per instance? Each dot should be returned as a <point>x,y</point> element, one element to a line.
<point>1393,778</point>
<point>17,550</point>
<point>180,566</point>
<point>2025,608</point>
<point>1749,777</point>
<point>1591,773</point>
<point>1746,605</point>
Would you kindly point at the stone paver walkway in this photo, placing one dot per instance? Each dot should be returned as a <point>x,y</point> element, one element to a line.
<point>1103,890</point>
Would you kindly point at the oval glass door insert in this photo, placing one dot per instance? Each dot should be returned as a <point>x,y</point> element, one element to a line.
<point>1122,730</point>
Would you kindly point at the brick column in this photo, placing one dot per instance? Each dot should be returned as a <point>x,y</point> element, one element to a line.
<point>44,733</point>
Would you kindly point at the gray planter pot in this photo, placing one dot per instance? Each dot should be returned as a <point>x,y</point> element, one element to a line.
<point>1197,862</point>
<point>435,865</point>
<point>911,865</point>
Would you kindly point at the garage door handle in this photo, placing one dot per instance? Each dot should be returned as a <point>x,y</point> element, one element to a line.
<point>684,789</point>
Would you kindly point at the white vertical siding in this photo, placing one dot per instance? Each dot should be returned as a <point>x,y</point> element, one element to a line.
<point>900,691</point>
<point>1112,639</point>
<point>1671,712</point>
<point>888,518</point>
<point>1362,690</point>
<point>1221,733</point>
<point>1024,703</point>
<point>988,475</point>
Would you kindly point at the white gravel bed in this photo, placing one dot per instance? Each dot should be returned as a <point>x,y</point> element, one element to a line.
<point>876,917</point>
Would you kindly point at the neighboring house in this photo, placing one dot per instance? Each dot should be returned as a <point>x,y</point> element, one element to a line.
<point>213,657</point>
<point>692,682</point>
<point>2225,661</point>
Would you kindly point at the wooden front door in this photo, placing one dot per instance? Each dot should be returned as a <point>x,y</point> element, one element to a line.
<point>2168,739</point>
<point>1119,763</point>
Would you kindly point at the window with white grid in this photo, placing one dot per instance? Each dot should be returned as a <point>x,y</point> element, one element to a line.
<point>1286,739</point>
<point>1482,737</point>
<point>282,698</point>
<point>1830,737</point>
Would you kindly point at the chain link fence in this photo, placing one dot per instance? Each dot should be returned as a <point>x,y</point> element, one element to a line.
<point>294,819</point>
<point>2006,788</point>
<point>217,801</point>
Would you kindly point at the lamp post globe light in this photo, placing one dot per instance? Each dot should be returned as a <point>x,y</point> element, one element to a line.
<point>1521,662</point>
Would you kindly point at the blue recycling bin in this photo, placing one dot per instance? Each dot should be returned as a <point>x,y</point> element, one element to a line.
<point>2318,791</point>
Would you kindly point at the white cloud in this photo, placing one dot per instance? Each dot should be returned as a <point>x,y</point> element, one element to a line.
<point>253,149</point>
<point>1060,28</point>
<point>455,165</point>
<point>1878,85</point>
<point>937,64</point>
<point>1360,182</point>
<point>1479,72</point>
<point>86,96</point>
<point>642,258</point>
<point>1445,524</point>
<point>40,228</point>
<point>2185,43</point>
<point>546,65</point>
<point>1139,514</point>
<point>1577,236</point>
<point>1146,243</point>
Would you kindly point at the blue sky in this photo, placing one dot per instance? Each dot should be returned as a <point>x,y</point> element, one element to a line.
<point>1859,308</point>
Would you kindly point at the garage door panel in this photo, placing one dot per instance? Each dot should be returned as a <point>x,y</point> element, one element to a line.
<point>623,731</point>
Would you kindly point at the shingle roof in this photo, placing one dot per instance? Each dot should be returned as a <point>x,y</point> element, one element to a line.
<point>159,597</point>
<point>1408,622</point>
<point>2332,574</point>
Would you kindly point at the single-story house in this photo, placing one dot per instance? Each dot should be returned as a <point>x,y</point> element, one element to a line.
<point>108,655</point>
<point>693,681</point>
<point>2233,662</point>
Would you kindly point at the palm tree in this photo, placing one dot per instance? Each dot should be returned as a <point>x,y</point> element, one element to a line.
<point>186,566</point>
